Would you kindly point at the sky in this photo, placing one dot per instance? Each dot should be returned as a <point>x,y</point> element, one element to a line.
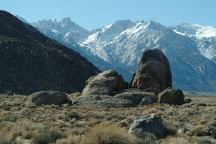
<point>92,14</point>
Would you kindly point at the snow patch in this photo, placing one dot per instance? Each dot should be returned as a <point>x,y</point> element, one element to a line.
<point>183,34</point>
<point>67,34</point>
<point>138,27</point>
<point>91,38</point>
<point>206,31</point>
<point>200,31</point>
<point>55,31</point>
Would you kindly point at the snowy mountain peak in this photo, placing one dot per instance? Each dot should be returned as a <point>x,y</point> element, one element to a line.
<point>123,23</point>
<point>195,30</point>
<point>155,25</point>
<point>66,20</point>
<point>65,28</point>
<point>139,26</point>
<point>109,32</point>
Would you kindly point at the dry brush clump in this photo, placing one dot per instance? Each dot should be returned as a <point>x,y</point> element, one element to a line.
<point>4,139</point>
<point>72,139</point>
<point>45,136</point>
<point>108,134</point>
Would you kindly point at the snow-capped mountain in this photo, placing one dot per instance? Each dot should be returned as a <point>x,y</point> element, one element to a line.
<point>66,30</point>
<point>190,50</point>
<point>195,30</point>
<point>204,36</point>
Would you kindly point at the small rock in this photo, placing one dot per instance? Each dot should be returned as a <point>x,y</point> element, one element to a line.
<point>148,124</point>
<point>188,100</point>
<point>213,132</point>
<point>181,132</point>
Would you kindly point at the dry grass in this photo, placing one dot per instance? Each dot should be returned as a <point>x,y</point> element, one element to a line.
<point>176,140</point>
<point>108,134</point>
<point>20,121</point>
<point>4,139</point>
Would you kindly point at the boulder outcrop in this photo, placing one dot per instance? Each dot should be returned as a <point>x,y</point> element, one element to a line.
<point>49,97</point>
<point>106,83</point>
<point>153,73</point>
<point>148,124</point>
<point>150,84</point>
<point>170,96</point>
<point>124,98</point>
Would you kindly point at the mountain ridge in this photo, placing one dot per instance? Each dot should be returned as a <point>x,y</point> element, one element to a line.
<point>121,44</point>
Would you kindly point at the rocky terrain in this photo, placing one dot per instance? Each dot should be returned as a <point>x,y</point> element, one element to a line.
<point>25,123</point>
<point>32,62</point>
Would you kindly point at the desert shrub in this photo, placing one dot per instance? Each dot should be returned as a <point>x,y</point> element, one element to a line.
<point>147,139</point>
<point>74,95</point>
<point>81,124</point>
<point>95,115</point>
<point>115,117</point>
<point>106,134</point>
<point>176,140</point>
<point>214,122</point>
<point>70,140</point>
<point>24,128</point>
<point>204,142</point>
<point>41,138</point>
<point>4,139</point>
<point>79,130</point>
<point>74,114</point>
<point>213,132</point>
<point>44,136</point>
<point>6,107</point>
<point>199,131</point>
<point>27,134</point>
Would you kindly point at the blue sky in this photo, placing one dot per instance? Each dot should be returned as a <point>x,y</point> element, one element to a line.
<point>95,13</point>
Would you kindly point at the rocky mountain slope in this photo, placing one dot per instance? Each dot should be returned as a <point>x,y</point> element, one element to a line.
<point>66,30</point>
<point>31,62</point>
<point>191,50</point>
<point>204,36</point>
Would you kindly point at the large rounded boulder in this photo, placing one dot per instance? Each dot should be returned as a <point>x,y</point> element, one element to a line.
<point>105,83</point>
<point>170,96</point>
<point>148,124</point>
<point>153,73</point>
<point>49,97</point>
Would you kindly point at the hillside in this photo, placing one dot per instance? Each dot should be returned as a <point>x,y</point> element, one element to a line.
<point>32,62</point>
